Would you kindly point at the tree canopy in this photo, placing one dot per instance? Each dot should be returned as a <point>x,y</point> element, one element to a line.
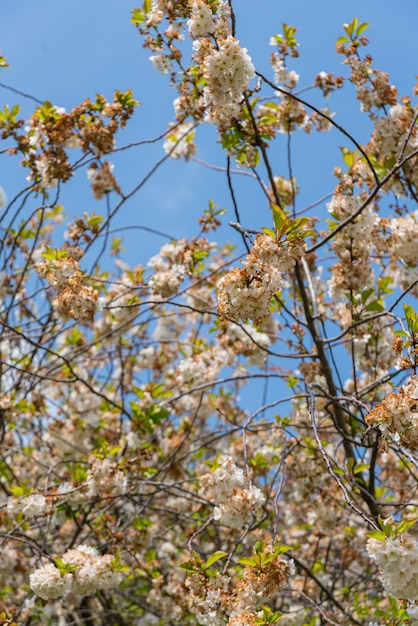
<point>224,431</point>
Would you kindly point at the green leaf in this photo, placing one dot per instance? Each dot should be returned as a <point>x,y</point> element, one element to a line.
<point>137,16</point>
<point>410,316</point>
<point>377,534</point>
<point>214,557</point>
<point>361,467</point>
<point>365,294</point>
<point>248,561</point>
<point>405,525</point>
<point>279,218</point>
<point>188,566</point>
<point>64,568</point>
<point>350,464</point>
<point>54,254</point>
<point>351,28</point>
<point>289,34</point>
<point>375,306</point>
<point>348,156</point>
<point>361,28</point>
<point>297,224</point>
<point>150,555</point>
<point>117,565</point>
<point>383,284</point>
<point>269,232</point>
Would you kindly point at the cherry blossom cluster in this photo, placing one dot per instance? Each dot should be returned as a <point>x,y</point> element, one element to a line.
<point>179,141</point>
<point>75,300</point>
<point>236,501</point>
<point>102,179</point>
<point>210,598</point>
<point>353,272</point>
<point>397,559</point>
<point>174,262</point>
<point>245,340</point>
<point>398,414</point>
<point>51,132</point>
<point>88,573</point>
<point>227,72</point>
<point>255,587</point>
<point>246,293</point>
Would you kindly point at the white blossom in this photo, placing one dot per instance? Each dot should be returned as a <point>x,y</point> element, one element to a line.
<point>48,583</point>
<point>161,62</point>
<point>228,72</point>
<point>236,500</point>
<point>397,559</point>
<point>201,22</point>
<point>3,198</point>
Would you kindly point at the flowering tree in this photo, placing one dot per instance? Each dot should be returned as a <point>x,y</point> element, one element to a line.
<point>213,437</point>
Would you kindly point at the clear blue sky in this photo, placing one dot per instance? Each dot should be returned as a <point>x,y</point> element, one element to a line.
<point>65,52</point>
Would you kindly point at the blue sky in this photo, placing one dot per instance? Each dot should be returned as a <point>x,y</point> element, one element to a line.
<point>66,52</point>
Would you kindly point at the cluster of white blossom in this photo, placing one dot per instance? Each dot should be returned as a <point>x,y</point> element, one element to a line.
<point>179,141</point>
<point>33,505</point>
<point>405,277</point>
<point>256,587</point>
<point>79,304</point>
<point>379,93</point>
<point>245,340</point>
<point>101,178</point>
<point>397,559</point>
<point>394,134</point>
<point>245,293</point>
<point>353,272</point>
<point>236,501</point>
<point>289,114</point>
<point>37,135</point>
<point>281,75</point>
<point>390,132</point>
<point>373,347</point>
<point>118,312</point>
<point>59,273</point>
<point>402,240</point>
<point>202,20</point>
<point>197,369</point>
<point>186,378</point>
<point>228,70</point>
<point>75,299</point>
<point>398,414</point>
<point>209,19</point>
<point>161,62</point>
<point>40,143</point>
<point>92,572</point>
<point>85,404</point>
<point>174,262</point>
<point>157,12</point>
<point>208,598</point>
<point>104,478</point>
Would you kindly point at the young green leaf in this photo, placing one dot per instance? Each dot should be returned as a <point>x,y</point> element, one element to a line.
<point>214,557</point>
